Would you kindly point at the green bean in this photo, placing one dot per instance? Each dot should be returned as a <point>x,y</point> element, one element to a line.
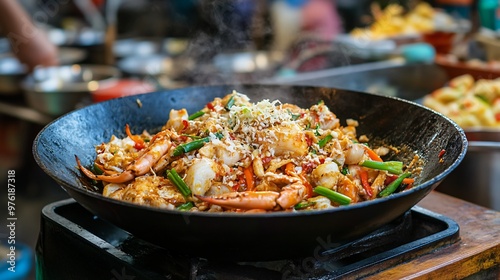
<point>186,206</point>
<point>333,195</point>
<point>393,185</point>
<point>394,167</point>
<point>174,177</point>
<point>194,145</point>
<point>303,204</point>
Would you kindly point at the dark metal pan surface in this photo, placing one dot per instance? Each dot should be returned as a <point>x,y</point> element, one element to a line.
<point>413,128</point>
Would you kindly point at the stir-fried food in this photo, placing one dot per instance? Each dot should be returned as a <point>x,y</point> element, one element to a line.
<point>394,21</point>
<point>234,155</point>
<point>468,102</point>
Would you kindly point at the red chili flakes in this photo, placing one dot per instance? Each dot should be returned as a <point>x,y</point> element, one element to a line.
<point>210,106</point>
<point>441,153</point>
<point>185,123</point>
<point>139,146</point>
<point>309,141</point>
<point>266,160</point>
<point>308,167</point>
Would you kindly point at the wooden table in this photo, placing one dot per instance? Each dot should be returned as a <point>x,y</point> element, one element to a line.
<point>476,253</point>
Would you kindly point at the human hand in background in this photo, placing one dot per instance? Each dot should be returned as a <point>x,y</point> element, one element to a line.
<point>28,43</point>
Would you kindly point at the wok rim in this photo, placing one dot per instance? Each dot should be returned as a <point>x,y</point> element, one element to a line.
<point>429,184</point>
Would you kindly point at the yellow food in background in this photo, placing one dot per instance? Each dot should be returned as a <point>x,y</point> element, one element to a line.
<point>468,102</point>
<point>395,21</point>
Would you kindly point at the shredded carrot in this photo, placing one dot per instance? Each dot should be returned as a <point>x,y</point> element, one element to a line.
<point>408,181</point>
<point>363,175</point>
<point>139,143</point>
<point>373,156</point>
<point>248,172</point>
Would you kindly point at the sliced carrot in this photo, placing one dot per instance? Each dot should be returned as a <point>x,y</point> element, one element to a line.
<point>289,168</point>
<point>139,143</point>
<point>372,155</point>
<point>406,181</point>
<point>363,175</point>
<point>248,172</point>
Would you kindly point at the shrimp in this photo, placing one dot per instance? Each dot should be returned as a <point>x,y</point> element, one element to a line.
<point>289,196</point>
<point>177,120</point>
<point>160,144</point>
<point>326,175</point>
<point>284,141</point>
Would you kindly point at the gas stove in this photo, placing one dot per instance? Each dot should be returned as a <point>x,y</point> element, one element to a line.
<point>75,244</point>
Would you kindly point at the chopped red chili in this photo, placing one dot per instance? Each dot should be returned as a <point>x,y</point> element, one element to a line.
<point>441,153</point>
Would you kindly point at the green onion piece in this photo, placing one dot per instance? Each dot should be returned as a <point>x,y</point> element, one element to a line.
<point>316,131</point>
<point>219,135</point>
<point>230,103</point>
<point>345,170</point>
<point>394,167</point>
<point>393,185</point>
<point>190,146</point>
<point>174,177</point>
<point>186,206</point>
<point>325,140</point>
<point>333,195</point>
<point>483,99</point>
<point>196,115</point>
<point>304,204</point>
<point>294,116</point>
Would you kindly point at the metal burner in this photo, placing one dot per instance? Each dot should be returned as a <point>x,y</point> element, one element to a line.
<point>73,242</point>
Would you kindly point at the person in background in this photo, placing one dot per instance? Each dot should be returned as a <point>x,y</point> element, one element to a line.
<point>28,43</point>
<point>290,18</point>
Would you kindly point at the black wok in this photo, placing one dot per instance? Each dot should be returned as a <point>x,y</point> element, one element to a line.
<point>404,124</point>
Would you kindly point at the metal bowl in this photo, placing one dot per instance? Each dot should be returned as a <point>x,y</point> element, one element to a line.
<point>149,46</point>
<point>11,74</point>
<point>248,62</point>
<point>477,178</point>
<point>12,71</point>
<point>135,46</point>
<point>58,90</point>
<point>164,70</point>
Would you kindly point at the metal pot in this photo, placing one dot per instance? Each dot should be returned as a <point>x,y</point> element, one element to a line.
<point>477,178</point>
<point>11,74</point>
<point>58,90</point>
<point>12,71</point>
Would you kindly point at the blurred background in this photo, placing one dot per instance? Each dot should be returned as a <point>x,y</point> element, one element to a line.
<point>60,55</point>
